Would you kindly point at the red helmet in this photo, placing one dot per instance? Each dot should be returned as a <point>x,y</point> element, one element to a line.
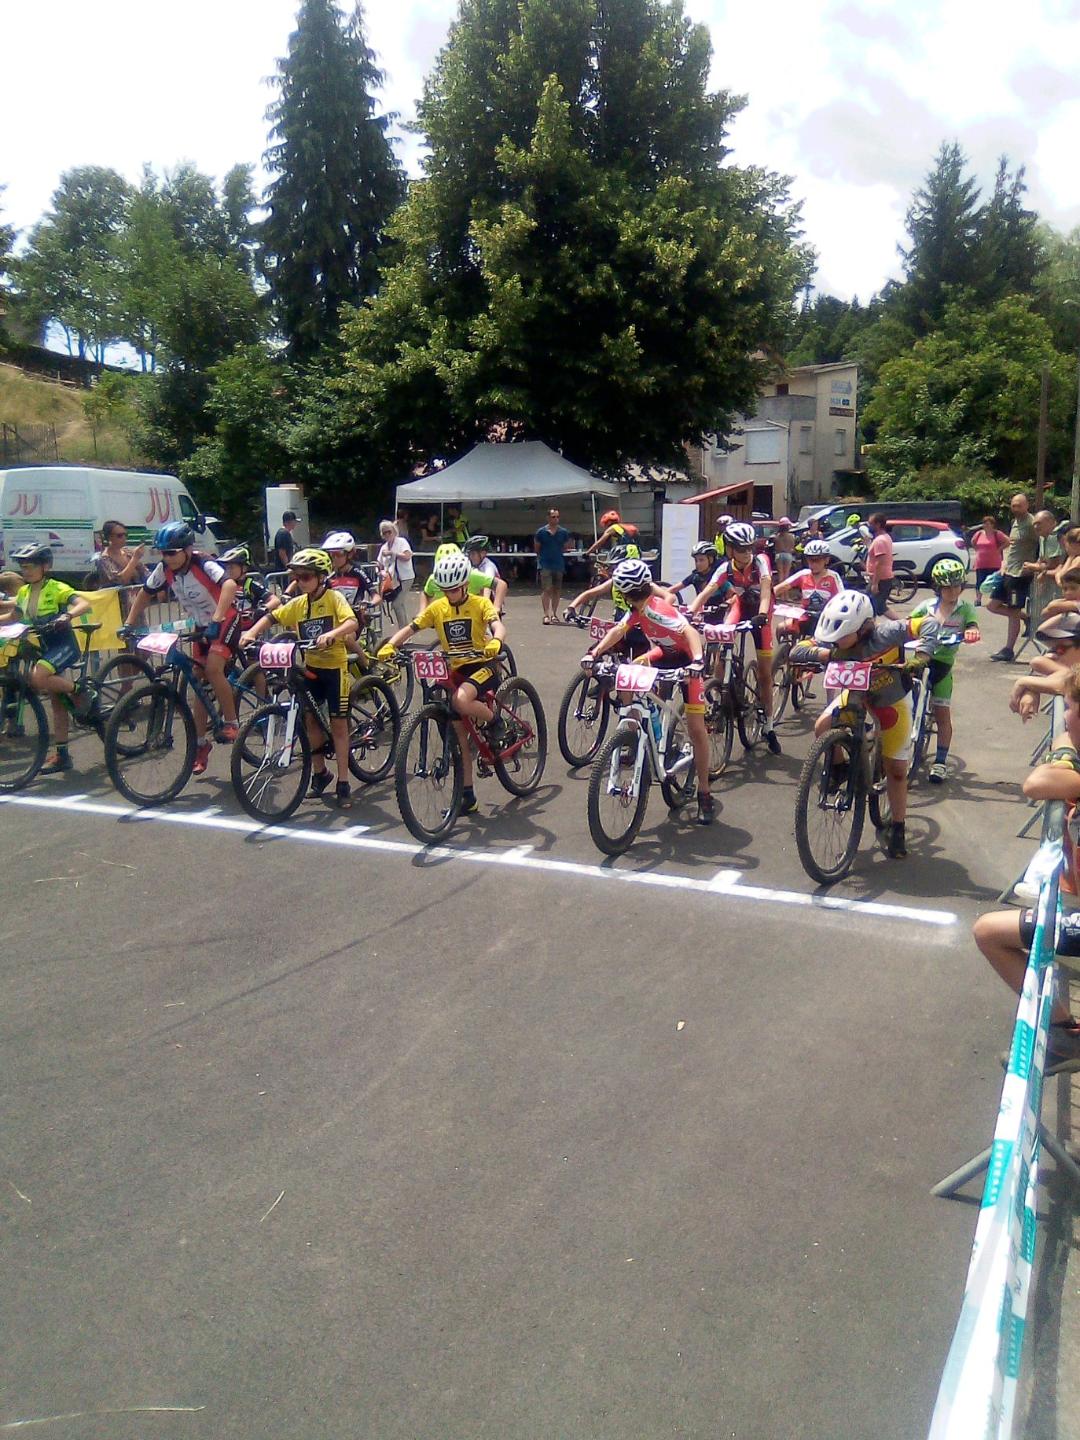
<point>610,517</point>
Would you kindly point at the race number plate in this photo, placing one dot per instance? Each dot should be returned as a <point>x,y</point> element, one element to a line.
<point>848,675</point>
<point>158,642</point>
<point>13,632</point>
<point>599,628</point>
<point>718,634</point>
<point>430,665</point>
<point>790,612</point>
<point>638,679</point>
<point>277,654</point>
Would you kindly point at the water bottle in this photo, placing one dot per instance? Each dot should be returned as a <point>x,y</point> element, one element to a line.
<point>657,723</point>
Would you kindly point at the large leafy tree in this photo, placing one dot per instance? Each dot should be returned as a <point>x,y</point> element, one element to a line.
<point>70,273</point>
<point>968,395</point>
<point>579,262</point>
<point>335,178</point>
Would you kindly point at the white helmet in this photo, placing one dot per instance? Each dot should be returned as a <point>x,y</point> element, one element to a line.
<point>816,547</point>
<point>451,570</point>
<point>338,540</point>
<point>845,614</point>
<point>725,520</point>
<point>632,577</point>
<point>740,536</point>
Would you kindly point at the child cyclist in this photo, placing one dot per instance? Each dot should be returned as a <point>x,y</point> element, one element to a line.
<point>815,584</point>
<point>478,583</point>
<point>955,617</point>
<point>750,576</point>
<point>462,622</point>
<point>706,561</point>
<point>674,643</point>
<point>324,620</point>
<point>52,605</point>
<point>849,628</point>
<point>209,597</point>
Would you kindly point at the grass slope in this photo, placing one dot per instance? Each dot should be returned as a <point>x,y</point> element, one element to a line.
<point>30,400</point>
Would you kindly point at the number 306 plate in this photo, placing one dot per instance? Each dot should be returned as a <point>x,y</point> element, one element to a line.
<point>848,674</point>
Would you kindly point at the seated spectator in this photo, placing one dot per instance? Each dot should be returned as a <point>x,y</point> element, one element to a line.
<point>1005,937</point>
<point>116,564</point>
<point>1061,636</point>
<point>1068,603</point>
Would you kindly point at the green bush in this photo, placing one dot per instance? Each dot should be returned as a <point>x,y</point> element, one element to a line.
<point>979,492</point>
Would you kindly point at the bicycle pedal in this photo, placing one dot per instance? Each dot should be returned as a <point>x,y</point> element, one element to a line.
<point>483,768</point>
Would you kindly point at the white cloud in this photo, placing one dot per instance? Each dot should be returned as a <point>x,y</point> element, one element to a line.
<point>851,97</point>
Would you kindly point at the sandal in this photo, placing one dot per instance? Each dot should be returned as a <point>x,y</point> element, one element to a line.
<point>547,619</point>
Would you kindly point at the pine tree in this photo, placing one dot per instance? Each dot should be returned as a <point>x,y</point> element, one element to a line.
<point>943,224</point>
<point>336,180</point>
<point>1009,249</point>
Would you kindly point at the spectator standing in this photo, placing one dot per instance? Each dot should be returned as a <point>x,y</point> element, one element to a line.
<point>457,526</point>
<point>783,548</point>
<point>879,563</point>
<point>284,544</point>
<point>1012,585</point>
<point>395,564</point>
<point>988,544</point>
<point>550,543</point>
<point>116,564</point>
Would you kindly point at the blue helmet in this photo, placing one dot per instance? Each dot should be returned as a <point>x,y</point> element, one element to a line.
<point>176,535</point>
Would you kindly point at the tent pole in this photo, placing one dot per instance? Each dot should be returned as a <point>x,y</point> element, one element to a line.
<point>442,519</point>
<point>592,497</point>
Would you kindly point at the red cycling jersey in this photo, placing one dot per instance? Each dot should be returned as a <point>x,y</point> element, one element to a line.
<point>669,635</point>
<point>826,585</point>
<point>749,578</point>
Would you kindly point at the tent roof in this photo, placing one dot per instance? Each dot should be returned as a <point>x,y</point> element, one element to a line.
<point>525,470</point>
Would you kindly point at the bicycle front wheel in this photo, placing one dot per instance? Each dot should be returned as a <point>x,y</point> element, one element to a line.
<point>24,733</point>
<point>429,774</point>
<point>506,655</point>
<point>374,729</point>
<point>398,674</point>
<point>877,795</point>
<point>519,770</point>
<point>114,680</point>
<point>679,788</point>
<point>830,806</point>
<point>720,724</point>
<point>616,805</point>
<point>271,769</point>
<point>583,718</point>
<point>781,680</point>
<point>150,744</point>
<point>749,714</point>
<point>922,727</point>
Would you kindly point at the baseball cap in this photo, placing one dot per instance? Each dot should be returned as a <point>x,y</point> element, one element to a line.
<point>1060,627</point>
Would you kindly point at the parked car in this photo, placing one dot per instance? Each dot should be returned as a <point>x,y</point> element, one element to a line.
<point>917,545</point>
<point>833,517</point>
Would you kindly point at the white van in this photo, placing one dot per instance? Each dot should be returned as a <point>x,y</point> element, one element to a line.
<point>65,506</point>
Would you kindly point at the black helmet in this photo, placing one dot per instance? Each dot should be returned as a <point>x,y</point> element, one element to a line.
<point>476,542</point>
<point>32,555</point>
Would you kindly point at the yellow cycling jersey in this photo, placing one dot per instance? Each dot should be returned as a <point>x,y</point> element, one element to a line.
<point>462,629</point>
<point>313,617</point>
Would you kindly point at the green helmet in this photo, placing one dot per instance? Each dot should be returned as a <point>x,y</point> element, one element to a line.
<point>449,549</point>
<point>948,572</point>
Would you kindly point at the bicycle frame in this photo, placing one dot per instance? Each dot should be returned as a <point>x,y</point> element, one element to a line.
<point>639,709</point>
<point>437,689</point>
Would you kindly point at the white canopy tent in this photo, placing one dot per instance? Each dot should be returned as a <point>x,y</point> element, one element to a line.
<point>525,470</point>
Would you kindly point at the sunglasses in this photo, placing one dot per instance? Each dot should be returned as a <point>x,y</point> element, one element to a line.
<point>305,575</point>
<point>175,550</point>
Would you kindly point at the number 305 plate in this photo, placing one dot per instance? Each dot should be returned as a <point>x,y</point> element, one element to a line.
<point>848,674</point>
<point>430,665</point>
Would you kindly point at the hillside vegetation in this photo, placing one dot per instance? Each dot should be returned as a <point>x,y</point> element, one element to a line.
<point>30,400</point>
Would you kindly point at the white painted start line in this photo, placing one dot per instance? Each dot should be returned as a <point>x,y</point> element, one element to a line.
<point>355,837</point>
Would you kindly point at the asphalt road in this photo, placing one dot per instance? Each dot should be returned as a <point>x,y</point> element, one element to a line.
<point>316,1139</point>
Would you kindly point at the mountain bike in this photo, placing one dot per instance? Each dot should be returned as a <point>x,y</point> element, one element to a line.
<point>24,725</point>
<point>272,758</point>
<point>791,683</point>
<point>842,778</point>
<point>150,737</point>
<point>731,695</point>
<point>428,772</point>
<point>923,722</point>
<point>649,742</point>
<point>585,709</point>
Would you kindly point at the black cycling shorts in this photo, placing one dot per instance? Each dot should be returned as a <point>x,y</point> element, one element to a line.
<point>1068,933</point>
<point>330,684</point>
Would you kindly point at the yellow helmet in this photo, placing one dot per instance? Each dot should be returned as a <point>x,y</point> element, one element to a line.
<point>317,560</point>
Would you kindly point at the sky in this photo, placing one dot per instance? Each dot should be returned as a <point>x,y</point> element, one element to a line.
<point>850,98</point>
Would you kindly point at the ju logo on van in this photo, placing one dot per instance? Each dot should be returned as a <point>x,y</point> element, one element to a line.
<point>160,505</point>
<point>23,506</point>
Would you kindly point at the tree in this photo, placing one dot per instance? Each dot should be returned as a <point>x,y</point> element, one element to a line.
<point>943,225</point>
<point>1057,285</point>
<point>578,264</point>
<point>1009,251</point>
<point>968,395</point>
<point>69,273</point>
<point>336,180</point>
<point>248,406</point>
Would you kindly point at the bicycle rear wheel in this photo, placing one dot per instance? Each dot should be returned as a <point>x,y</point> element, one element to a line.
<point>720,724</point>
<point>374,729</point>
<point>270,770</point>
<point>877,796</point>
<point>398,675</point>
<point>830,806</point>
<point>150,744</point>
<point>748,712</point>
<point>519,704</point>
<point>24,733</point>
<point>583,719</point>
<point>923,726</point>
<point>905,583</point>
<point>429,774</point>
<point>781,679</point>
<point>616,807</point>
<point>506,655</point>
<point>679,789</point>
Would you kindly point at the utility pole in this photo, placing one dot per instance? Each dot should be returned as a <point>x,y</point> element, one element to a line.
<point>1074,508</point>
<point>1044,412</point>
